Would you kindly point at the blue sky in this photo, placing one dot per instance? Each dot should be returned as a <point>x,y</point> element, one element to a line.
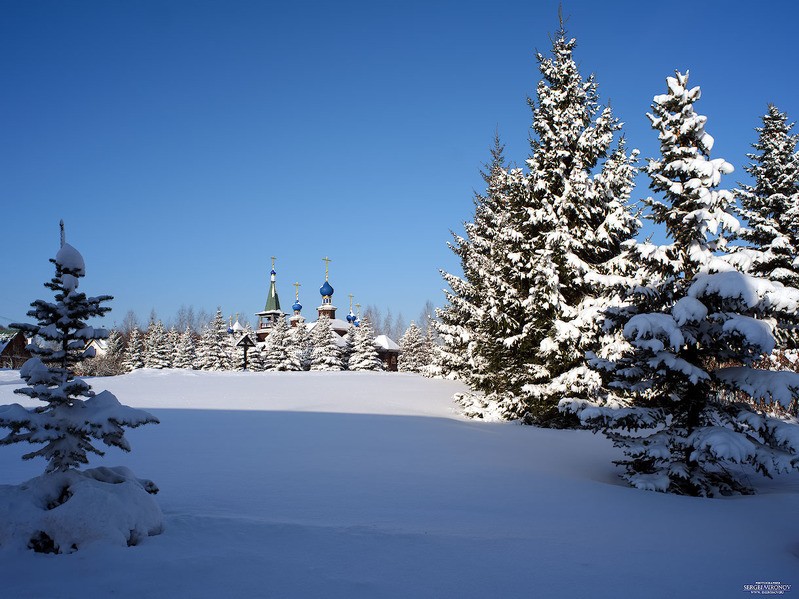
<point>184,143</point>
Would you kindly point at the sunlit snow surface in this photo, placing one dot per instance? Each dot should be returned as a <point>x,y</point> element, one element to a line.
<point>371,485</point>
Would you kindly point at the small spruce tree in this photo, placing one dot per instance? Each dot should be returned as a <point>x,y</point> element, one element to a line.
<point>413,355</point>
<point>185,353</point>
<point>73,415</point>
<point>214,350</point>
<point>134,353</point>
<point>158,352</point>
<point>325,353</point>
<point>364,354</point>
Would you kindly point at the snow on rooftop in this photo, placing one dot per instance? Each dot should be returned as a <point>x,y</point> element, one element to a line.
<point>386,342</point>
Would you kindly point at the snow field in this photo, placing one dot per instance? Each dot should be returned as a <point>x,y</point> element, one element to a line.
<point>372,485</point>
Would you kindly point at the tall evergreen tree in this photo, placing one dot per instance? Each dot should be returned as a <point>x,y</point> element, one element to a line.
<point>543,253</point>
<point>275,357</point>
<point>471,346</point>
<point>255,358</point>
<point>158,350</point>
<point>73,416</point>
<point>364,353</point>
<point>694,333</point>
<point>325,353</point>
<point>214,349</point>
<point>134,353</point>
<point>300,346</point>
<point>349,346</point>
<point>115,354</point>
<point>185,352</point>
<point>413,355</point>
<point>771,205</point>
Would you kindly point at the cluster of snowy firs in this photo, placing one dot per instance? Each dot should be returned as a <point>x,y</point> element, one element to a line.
<point>66,508</point>
<point>297,348</point>
<point>562,318</point>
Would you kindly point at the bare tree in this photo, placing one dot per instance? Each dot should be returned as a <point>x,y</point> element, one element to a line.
<point>426,316</point>
<point>399,328</point>
<point>129,323</point>
<point>375,316</point>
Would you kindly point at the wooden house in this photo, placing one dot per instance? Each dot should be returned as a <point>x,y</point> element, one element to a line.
<point>13,350</point>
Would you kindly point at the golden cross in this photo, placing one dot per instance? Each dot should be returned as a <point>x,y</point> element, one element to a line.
<point>297,291</point>
<point>351,296</point>
<point>327,262</point>
<point>358,306</point>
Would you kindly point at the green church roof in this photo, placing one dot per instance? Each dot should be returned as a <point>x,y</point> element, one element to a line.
<point>272,300</point>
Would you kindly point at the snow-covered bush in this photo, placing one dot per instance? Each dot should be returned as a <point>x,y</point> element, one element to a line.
<point>61,512</point>
<point>72,418</point>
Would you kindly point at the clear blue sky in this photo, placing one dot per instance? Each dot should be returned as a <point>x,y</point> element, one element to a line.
<point>184,143</point>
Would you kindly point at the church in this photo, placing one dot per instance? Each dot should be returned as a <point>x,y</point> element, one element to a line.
<point>387,349</point>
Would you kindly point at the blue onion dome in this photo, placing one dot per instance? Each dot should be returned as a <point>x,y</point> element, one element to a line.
<point>273,272</point>
<point>326,289</point>
<point>350,318</point>
<point>297,306</point>
<point>357,322</point>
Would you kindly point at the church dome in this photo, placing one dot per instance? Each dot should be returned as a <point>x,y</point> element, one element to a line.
<point>350,317</point>
<point>326,289</point>
<point>297,306</point>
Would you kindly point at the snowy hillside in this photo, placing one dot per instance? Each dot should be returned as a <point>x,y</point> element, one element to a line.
<point>372,485</point>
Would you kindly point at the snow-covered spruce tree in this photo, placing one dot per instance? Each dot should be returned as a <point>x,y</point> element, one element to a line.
<point>553,241</point>
<point>134,353</point>
<point>292,361</point>
<point>431,351</point>
<point>72,418</point>
<point>301,345</point>
<point>185,353</point>
<point>349,345</point>
<point>255,358</point>
<point>172,339</point>
<point>213,352</point>
<point>114,354</point>
<point>675,395</point>
<point>325,353</point>
<point>577,221</point>
<point>364,353</point>
<point>771,205</point>
<point>158,352</point>
<point>458,322</point>
<point>275,347</point>
<point>413,355</point>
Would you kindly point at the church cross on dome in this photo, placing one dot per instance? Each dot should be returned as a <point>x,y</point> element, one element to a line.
<point>327,262</point>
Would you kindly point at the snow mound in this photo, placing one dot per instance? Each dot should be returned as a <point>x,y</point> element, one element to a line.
<point>61,512</point>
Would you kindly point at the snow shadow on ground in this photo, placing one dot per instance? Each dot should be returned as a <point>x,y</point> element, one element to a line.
<point>311,504</point>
